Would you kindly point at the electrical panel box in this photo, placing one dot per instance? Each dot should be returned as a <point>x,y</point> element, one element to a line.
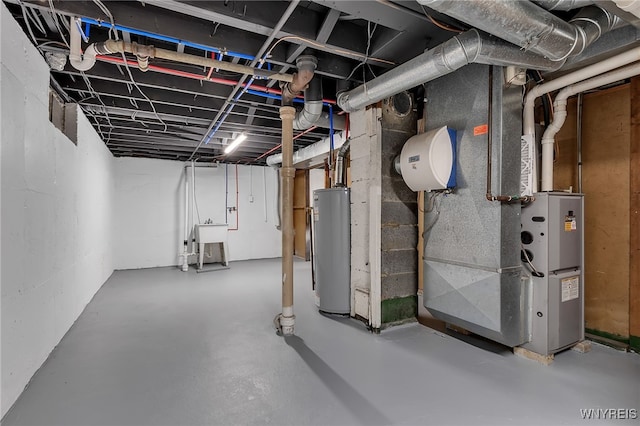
<point>552,239</point>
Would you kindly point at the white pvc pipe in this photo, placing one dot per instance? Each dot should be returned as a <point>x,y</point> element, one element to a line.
<point>528,119</point>
<point>76,58</point>
<point>264,192</point>
<point>193,201</point>
<point>560,114</point>
<point>185,250</point>
<point>574,77</point>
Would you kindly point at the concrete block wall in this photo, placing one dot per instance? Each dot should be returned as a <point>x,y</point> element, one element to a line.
<point>150,211</point>
<point>56,229</point>
<point>399,222</point>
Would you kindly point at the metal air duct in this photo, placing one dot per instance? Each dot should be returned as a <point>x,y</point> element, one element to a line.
<point>529,26</point>
<point>466,48</point>
<point>562,4</point>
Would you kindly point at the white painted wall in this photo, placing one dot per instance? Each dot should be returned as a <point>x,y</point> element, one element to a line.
<point>316,181</point>
<point>366,183</point>
<point>149,220</point>
<point>56,215</point>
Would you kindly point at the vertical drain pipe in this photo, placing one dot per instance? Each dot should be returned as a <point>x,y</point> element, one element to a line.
<point>306,66</point>
<point>287,318</point>
<point>193,208</point>
<point>185,251</point>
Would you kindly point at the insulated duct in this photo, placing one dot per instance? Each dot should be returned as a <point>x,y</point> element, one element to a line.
<point>312,155</point>
<point>529,26</point>
<point>312,110</point>
<point>562,4</point>
<point>466,48</point>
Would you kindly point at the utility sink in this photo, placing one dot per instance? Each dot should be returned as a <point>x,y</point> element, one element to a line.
<point>212,233</point>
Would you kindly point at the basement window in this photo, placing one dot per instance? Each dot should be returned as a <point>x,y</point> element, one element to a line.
<point>64,116</point>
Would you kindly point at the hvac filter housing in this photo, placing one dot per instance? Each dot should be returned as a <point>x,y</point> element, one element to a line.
<point>428,160</point>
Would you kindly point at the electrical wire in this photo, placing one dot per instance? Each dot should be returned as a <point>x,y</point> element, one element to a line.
<point>534,271</point>
<point>114,34</point>
<point>27,23</point>
<point>434,202</point>
<point>370,33</point>
<point>324,47</point>
<point>36,21</point>
<point>439,24</point>
<point>54,13</point>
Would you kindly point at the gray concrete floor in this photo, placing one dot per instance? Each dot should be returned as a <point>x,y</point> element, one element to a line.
<point>161,347</point>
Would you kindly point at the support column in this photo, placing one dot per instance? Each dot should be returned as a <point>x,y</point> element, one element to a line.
<point>287,173</point>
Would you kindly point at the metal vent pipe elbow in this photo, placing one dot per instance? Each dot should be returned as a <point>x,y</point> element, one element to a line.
<point>312,110</point>
<point>342,153</point>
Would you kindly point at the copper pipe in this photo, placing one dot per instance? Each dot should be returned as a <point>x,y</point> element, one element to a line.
<point>287,173</point>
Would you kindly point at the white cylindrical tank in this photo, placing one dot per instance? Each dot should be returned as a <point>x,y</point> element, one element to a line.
<point>427,161</point>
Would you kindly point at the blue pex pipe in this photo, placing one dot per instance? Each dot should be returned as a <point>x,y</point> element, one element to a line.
<point>331,127</point>
<point>164,38</point>
<point>271,96</point>
<point>228,111</point>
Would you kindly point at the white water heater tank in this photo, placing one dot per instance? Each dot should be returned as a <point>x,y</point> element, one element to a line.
<point>427,161</point>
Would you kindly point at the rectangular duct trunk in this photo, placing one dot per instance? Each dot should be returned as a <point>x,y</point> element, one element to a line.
<point>472,268</point>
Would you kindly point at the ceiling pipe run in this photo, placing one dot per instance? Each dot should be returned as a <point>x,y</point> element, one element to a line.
<point>529,26</point>
<point>466,48</point>
<point>560,114</point>
<point>113,46</point>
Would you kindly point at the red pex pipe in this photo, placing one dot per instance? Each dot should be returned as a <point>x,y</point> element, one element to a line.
<point>170,71</point>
